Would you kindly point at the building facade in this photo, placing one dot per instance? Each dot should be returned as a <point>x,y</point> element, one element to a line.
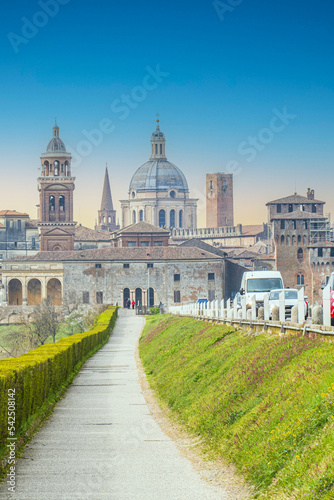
<point>159,193</point>
<point>219,200</point>
<point>56,186</point>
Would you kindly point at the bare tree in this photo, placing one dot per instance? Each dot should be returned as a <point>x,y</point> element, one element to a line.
<point>45,322</point>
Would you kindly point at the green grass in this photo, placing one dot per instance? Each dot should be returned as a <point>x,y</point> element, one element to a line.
<point>265,403</point>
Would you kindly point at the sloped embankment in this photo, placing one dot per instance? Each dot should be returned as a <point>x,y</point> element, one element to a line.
<point>263,402</point>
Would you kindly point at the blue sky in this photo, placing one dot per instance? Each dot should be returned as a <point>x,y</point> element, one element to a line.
<point>228,69</point>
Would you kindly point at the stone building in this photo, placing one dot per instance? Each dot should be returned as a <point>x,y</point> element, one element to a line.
<point>107,214</point>
<point>18,234</point>
<point>159,193</point>
<point>141,234</point>
<point>112,275</point>
<point>219,200</point>
<point>56,186</point>
<point>301,233</point>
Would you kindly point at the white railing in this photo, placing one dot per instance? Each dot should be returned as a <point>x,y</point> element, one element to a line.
<point>250,312</point>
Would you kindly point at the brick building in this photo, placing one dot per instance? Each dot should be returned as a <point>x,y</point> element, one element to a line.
<point>56,186</point>
<point>141,234</point>
<point>219,200</point>
<point>301,234</point>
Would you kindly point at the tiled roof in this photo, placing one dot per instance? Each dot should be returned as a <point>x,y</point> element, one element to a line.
<point>294,198</point>
<point>83,233</point>
<point>298,214</point>
<point>123,254</point>
<point>142,227</point>
<point>321,244</point>
<point>13,213</point>
<point>196,242</point>
<point>32,224</point>
<point>252,230</point>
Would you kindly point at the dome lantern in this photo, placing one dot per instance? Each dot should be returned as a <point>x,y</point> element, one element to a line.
<point>158,144</point>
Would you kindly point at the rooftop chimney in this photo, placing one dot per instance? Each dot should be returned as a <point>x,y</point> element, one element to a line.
<point>310,194</point>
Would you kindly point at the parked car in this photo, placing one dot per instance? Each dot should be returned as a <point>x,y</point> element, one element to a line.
<point>291,299</point>
<point>259,283</point>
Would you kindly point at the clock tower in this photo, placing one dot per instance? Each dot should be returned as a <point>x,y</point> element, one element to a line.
<point>56,186</point>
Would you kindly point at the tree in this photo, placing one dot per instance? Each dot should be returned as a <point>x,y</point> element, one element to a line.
<point>45,322</point>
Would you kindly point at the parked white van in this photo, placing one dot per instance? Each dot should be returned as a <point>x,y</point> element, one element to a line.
<point>259,283</point>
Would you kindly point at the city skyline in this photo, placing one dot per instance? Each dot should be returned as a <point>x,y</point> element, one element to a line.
<point>243,88</point>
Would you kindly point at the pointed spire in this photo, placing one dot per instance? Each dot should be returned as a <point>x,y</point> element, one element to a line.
<point>106,203</point>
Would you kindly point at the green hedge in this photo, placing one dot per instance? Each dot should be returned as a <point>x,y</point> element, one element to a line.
<point>39,374</point>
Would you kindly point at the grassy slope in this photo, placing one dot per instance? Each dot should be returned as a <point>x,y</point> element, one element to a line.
<point>265,403</point>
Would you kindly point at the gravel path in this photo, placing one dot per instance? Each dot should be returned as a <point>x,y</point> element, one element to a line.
<point>102,441</point>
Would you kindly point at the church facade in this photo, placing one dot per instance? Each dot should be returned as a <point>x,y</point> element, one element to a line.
<point>159,193</point>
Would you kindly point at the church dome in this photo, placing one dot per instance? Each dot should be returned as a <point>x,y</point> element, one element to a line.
<point>56,145</point>
<point>158,175</point>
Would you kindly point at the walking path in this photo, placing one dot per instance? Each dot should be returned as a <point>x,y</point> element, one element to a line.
<point>101,442</point>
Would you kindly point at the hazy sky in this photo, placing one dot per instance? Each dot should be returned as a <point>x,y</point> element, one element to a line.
<point>243,86</point>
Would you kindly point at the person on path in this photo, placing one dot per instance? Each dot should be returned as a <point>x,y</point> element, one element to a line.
<point>133,304</point>
<point>128,302</point>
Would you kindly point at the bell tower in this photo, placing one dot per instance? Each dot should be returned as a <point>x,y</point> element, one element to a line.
<point>107,214</point>
<point>56,186</point>
<point>158,144</point>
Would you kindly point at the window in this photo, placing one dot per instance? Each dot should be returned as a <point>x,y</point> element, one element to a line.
<point>1,256</point>
<point>144,243</point>
<point>98,266</point>
<point>33,242</point>
<point>224,186</point>
<point>156,149</point>
<point>158,243</point>
<point>172,218</point>
<point>161,149</point>
<point>162,218</point>
<point>290,207</point>
<point>294,224</point>
<point>282,224</point>
<point>211,295</point>
<point>85,297</point>
<point>149,265</point>
<point>172,194</point>
<point>177,296</point>
<point>15,244</point>
<point>62,203</point>
<point>99,297</point>
<point>52,204</point>
<point>264,269</point>
<point>131,243</point>
<point>299,240</point>
<point>282,240</point>
<point>176,277</point>
<point>134,217</point>
<point>180,218</point>
<point>293,240</point>
<point>332,251</point>
<point>211,185</point>
<point>300,254</point>
<point>300,279</point>
<point>279,208</point>
<point>305,224</point>
<point>211,276</point>
<point>302,208</point>
<point>126,266</point>
<point>314,208</point>
<point>320,252</point>
<point>19,225</point>
<point>141,215</point>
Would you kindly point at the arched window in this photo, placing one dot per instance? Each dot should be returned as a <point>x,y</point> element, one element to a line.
<point>134,217</point>
<point>139,297</point>
<point>293,240</point>
<point>327,268</point>
<point>304,241</point>
<point>52,203</point>
<point>103,219</point>
<point>54,292</point>
<point>300,279</point>
<point>180,218</point>
<point>172,218</point>
<point>162,218</point>
<point>288,241</point>
<point>62,203</point>
<point>161,149</point>
<point>156,149</point>
<point>141,215</point>
<point>299,240</point>
<point>56,167</point>
<point>126,296</point>
<point>282,240</point>
<point>15,292</point>
<point>300,254</point>
<point>109,219</point>
<point>150,297</point>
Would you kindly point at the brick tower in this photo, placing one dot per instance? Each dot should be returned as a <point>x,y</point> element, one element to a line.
<point>107,214</point>
<point>219,200</point>
<point>56,186</point>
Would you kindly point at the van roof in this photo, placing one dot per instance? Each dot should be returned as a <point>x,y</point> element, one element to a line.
<point>262,274</point>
